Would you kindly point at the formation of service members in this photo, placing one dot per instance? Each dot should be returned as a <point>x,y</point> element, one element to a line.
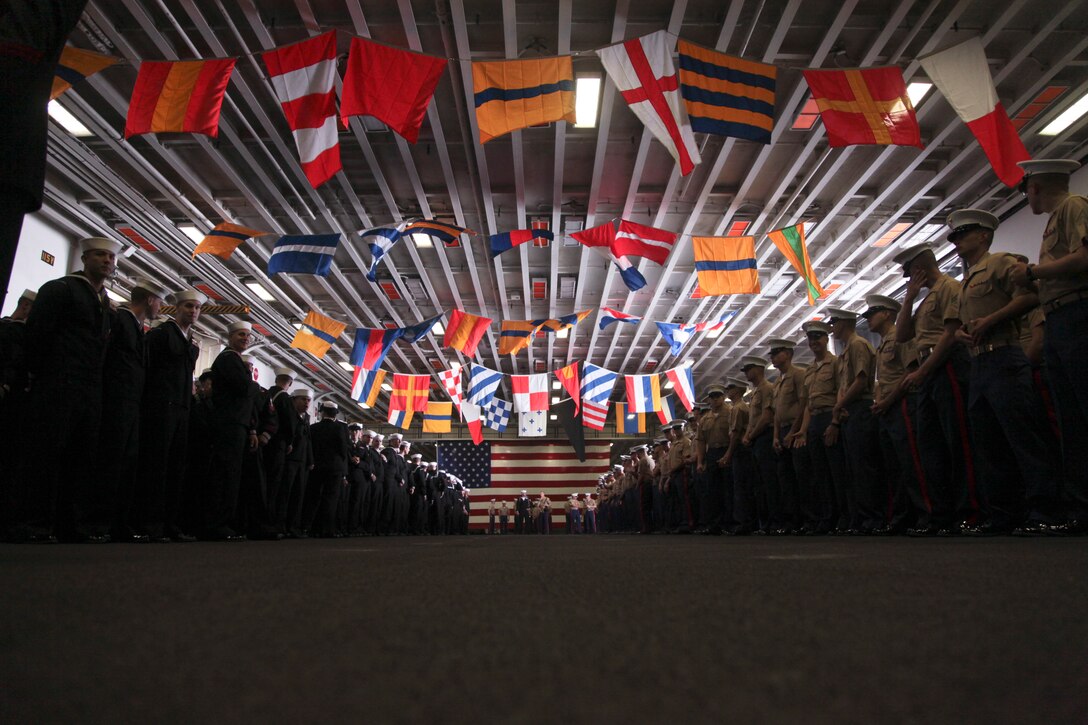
<point>968,418</point>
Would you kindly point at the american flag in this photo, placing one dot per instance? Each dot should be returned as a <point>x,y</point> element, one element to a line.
<point>501,469</point>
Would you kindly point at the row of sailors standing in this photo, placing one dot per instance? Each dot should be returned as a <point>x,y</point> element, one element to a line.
<point>944,429</point>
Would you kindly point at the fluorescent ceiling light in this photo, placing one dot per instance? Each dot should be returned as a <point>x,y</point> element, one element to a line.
<point>297,325</point>
<point>423,241</point>
<point>364,406</point>
<point>192,232</point>
<point>553,417</point>
<point>917,91</point>
<point>347,366</point>
<point>115,297</point>
<point>668,385</point>
<point>555,399</point>
<point>587,93</point>
<point>386,387</point>
<point>631,417</point>
<point>67,121</point>
<point>563,333</point>
<point>438,329</point>
<point>261,291</point>
<point>556,385</point>
<point>1067,117</point>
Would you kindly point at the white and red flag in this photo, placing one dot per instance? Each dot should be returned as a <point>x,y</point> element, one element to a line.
<point>451,383</point>
<point>639,240</point>
<point>304,78</point>
<point>594,415</point>
<point>643,71</point>
<point>963,77</point>
<point>530,392</point>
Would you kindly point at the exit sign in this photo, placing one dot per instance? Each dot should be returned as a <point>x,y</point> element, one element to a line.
<point>48,258</point>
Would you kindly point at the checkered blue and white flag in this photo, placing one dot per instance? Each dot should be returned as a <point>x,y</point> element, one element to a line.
<point>497,416</point>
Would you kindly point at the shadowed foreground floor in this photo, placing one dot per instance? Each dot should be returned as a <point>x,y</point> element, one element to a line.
<point>557,629</point>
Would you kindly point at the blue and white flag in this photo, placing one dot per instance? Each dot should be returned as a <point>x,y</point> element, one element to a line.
<point>380,240</point>
<point>667,414</point>
<point>303,254</point>
<point>497,415</point>
<point>417,332</point>
<point>482,384</point>
<point>597,383</point>
<point>675,336</point>
<point>609,315</point>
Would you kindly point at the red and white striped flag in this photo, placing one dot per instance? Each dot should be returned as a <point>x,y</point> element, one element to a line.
<point>594,415</point>
<point>639,240</point>
<point>304,77</point>
<point>643,71</point>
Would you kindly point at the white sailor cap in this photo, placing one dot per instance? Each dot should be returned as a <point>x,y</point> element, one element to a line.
<point>876,303</point>
<point>715,388</point>
<point>285,371</point>
<point>432,464</point>
<point>909,254</point>
<point>109,245</point>
<point>29,294</point>
<point>328,405</point>
<point>964,220</point>
<point>395,436</point>
<point>816,327</point>
<point>378,437</point>
<point>189,295</point>
<point>736,383</point>
<point>300,393</point>
<point>752,361</point>
<point>416,456</point>
<point>368,433</point>
<point>1065,167</point>
<point>834,314</point>
<point>154,288</point>
<point>780,343</point>
<point>239,325</point>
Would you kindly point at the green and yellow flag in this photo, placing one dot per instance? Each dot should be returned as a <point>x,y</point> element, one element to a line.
<point>791,242</point>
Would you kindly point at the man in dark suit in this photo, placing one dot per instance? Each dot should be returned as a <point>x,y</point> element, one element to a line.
<point>233,433</point>
<point>66,336</point>
<point>287,509</point>
<point>171,358</point>
<point>331,447</point>
<point>275,452</point>
<point>123,389</point>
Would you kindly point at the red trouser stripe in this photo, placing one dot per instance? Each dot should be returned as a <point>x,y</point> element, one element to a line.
<point>912,443</point>
<point>965,439</point>
<point>1044,392</point>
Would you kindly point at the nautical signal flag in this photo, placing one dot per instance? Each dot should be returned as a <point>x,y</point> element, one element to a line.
<point>640,240</point>
<point>465,331</point>
<point>675,335</point>
<point>725,95</point>
<point>962,74</point>
<point>683,385</point>
<point>471,414</point>
<point>629,422</point>
<point>317,334</point>
<point>643,71</point>
<point>791,242</point>
<point>224,239</point>
<point>497,414</point>
<point>865,106</point>
<point>178,96</point>
<point>569,378</point>
<point>366,385</point>
<point>726,265</point>
<point>562,323</point>
<point>303,254</point>
<point>533,424</point>
<point>451,383</point>
<point>610,315</point>
<point>416,332</point>
<point>74,65</point>
<point>508,240</point>
<point>530,392</point>
<point>401,418</point>
<point>594,415</point>
<point>667,413</point>
<point>303,75</point>
<point>643,393</point>
<point>394,86</point>
<point>482,384</point>
<point>628,271</point>
<point>380,240</point>
<point>515,335</point>
<point>449,234</point>
<point>436,418</point>
<point>410,392</point>
<point>597,383</point>
<point>601,235</point>
<point>513,94</point>
<point>372,345</point>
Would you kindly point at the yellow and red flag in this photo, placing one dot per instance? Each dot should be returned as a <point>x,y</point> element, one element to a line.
<point>865,106</point>
<point>409,392</point>
<point>178,96</point>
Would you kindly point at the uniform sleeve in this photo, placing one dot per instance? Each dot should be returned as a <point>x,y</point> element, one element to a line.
<point>1002,276</point>
<point>861,359</point>
<point>948,302</point>
<point>1074,223</point>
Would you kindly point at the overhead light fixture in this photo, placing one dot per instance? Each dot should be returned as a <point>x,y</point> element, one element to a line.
<point>917,91</point>
<point>386,387</point>
<point>423,241</point>
<point>346,366</point>
<point>438,329</point>
<point>261,292</point>
<point>587,96</point>
<point>631,416</point>
<point>296,325</point>
<point>555,399</point>
<point>114,296</point>
<point>1067,117</point>
<point>562,333</point>
<point>192,232</point>
<point>553,417</point>
<point>364,406</point>
<point>67,121</point>
<point>669,385</point>
<point>556,385</point>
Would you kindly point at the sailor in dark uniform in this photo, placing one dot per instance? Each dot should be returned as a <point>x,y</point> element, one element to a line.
<point>13,394</point>
<point>277,449</point>
<point>359,478</point>
<point>375,502</point>
<point>522,507</point>
<point>417,494</point>
<point>287,510</point>
<point>331,448</point>
<point>66,336</point>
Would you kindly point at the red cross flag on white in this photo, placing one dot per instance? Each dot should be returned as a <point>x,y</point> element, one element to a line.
<point>530,392</point>
<point>643,71</point>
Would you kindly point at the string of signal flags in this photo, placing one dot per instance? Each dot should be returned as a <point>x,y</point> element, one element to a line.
<point>710,92</point>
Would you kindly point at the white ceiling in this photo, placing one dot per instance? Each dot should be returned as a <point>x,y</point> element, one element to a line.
<point>250,174</point>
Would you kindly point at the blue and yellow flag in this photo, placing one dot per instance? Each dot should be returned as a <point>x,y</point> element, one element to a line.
<point>436,419</point>
<point>75,65</point>
<point>513,94</point>
<point>515,335</point>
<point>562,323</point>
<point>317,334</point>
<point>726,95</point>
<point>628,422</point>
<point>726,265</point>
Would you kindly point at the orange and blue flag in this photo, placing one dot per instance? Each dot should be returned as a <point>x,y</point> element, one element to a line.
<point>317,334</point>
<point>76,64</point>
<point>224,239</point>
<point>513,94</point>
<point>366,384</point>
<point>726,95</point>
<point>726,265</point>
<point>516,335</point>
<point>436,418</point>
<point>628,422</point>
